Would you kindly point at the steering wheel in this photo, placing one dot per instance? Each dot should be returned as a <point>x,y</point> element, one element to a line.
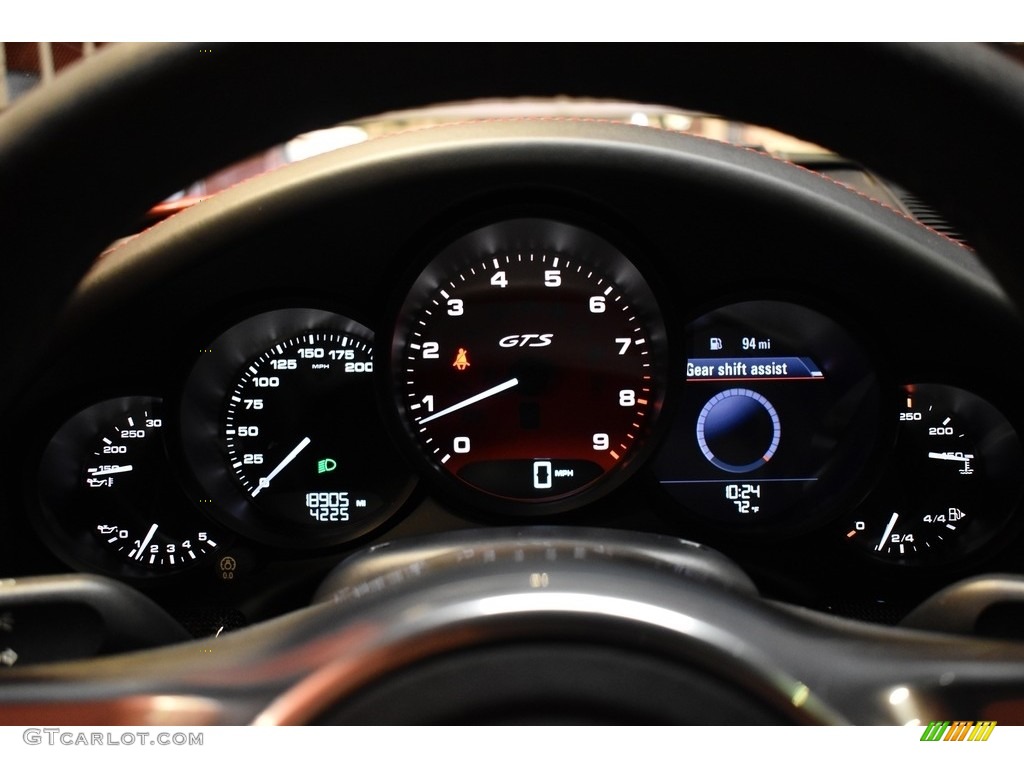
<point>138,122</point>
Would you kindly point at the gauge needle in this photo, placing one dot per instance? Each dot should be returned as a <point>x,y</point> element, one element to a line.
<point>111,470</point>
<point>145,541</point>
<point>950,456</point>
<point>888,530</point>
<point>470,400</point>
<point>265,481</point>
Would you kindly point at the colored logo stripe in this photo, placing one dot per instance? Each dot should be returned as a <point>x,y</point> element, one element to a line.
<point>982,730</point>
<point>958,730</point>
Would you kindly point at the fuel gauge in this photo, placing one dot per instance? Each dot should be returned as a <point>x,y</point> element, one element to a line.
<point>954,480</point>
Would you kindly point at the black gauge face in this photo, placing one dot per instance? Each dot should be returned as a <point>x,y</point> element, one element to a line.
<point>529,365</point>
<point>108,497</point>
<point>955,478</point>
<point>776,420</point>
<point>279,426</point>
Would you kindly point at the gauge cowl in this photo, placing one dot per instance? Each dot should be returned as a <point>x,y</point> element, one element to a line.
<point>529,366</point>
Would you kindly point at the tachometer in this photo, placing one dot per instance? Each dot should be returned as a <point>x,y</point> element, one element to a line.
<point>529,364</point>
<point>280,428</point>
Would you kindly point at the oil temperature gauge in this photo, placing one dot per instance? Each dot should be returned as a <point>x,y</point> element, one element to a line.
<point>954,480</point>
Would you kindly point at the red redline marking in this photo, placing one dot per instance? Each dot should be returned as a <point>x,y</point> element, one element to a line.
<point>614,455</point>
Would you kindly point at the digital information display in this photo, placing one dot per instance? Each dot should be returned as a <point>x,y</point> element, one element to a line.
<point>769,425</point>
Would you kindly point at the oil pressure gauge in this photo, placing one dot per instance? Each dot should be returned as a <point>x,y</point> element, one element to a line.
<point>954,480</point>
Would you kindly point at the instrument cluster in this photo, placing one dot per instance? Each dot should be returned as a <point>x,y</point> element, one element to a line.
<point>532,368</point>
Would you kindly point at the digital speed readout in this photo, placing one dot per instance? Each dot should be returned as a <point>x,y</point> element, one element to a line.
<point>769,421</point>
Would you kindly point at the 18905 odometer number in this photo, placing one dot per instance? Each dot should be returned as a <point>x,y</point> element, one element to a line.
<point>530,364</point>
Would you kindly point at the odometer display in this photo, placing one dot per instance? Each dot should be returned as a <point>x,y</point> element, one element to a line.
<point>530,363</point>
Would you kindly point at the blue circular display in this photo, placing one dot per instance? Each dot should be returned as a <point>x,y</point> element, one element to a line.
<point>738,430</point>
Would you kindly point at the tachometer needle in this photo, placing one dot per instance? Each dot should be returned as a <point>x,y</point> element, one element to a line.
<point>145,541</point>
<point>888,530</point>
<point>265,481</point>
<point>470,400</point>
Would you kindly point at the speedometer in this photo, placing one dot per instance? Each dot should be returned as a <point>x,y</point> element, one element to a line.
<point>530,365</point>
<point>279,427</point>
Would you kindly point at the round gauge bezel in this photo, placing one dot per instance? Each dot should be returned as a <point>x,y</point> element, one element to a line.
<point>470,246</point>
<point>203,408</point>
<point>1002,457</point>
<point>63,462</point>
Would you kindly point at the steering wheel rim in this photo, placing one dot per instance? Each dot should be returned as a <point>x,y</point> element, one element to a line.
<point>92,128</point>
<point>35,145</point>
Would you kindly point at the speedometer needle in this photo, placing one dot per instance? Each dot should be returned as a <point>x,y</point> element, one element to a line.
<point>265,481</point>
<point>470,400</point>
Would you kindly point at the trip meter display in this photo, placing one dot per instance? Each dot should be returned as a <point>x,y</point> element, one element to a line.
<point>776,419</point>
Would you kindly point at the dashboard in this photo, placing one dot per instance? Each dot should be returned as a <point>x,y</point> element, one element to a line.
<point>518,325</point>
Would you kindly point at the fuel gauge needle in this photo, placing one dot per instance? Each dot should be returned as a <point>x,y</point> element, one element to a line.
<point>265,481</point>
<point>888,530</point>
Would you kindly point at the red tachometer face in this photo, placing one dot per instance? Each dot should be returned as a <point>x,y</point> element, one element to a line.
<point>530,365</point>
